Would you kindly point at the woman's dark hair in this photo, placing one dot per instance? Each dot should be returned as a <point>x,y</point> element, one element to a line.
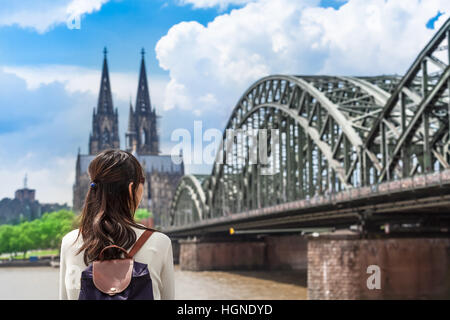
<point>108,211</point>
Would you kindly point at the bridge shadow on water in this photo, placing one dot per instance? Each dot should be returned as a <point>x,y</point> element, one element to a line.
<point>292,277</point>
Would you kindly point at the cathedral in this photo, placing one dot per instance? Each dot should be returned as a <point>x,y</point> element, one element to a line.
<point>141,139</point>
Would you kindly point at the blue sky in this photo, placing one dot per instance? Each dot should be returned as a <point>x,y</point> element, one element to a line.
<point>201,56</point>
<point>123,26</point>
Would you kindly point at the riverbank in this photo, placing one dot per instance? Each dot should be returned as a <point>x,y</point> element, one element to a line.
<point>42,262</point>
<point>40,253</point>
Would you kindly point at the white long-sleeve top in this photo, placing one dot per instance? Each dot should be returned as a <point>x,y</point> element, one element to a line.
<point>156,253</point>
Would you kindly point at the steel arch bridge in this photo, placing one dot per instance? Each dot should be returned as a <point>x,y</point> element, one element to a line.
<point>335,135</point>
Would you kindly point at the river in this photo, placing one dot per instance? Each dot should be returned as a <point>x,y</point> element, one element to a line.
<point>31,283</point>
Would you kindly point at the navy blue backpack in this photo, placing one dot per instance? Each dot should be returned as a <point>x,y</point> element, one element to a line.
<point>118,279</point>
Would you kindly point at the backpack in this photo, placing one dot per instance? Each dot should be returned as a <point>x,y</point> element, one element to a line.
<point>118,279</point>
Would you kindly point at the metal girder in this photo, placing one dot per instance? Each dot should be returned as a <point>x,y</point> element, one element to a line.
<point>312,133</point>
<point>413,125</point>
<point>333,111</point>
<point>416,101</point>
<point>408,78</point>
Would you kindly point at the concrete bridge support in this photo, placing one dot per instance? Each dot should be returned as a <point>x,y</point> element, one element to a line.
<point>272,252</point>
<point>286,252</point>
<point>347,267</point>
<point>200,254</point>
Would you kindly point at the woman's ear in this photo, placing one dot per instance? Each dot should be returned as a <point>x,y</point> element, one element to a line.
<point>131,195</point>
<point>130,190</point>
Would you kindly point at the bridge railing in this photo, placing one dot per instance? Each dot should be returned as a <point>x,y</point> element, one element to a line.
<point>390,187</point>
<point>411,183</point>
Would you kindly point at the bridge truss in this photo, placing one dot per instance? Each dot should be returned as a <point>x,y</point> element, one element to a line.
<point>334,134</point>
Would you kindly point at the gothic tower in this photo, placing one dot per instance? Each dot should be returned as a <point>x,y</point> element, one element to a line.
<point>105,127</point>
<point>142,136</point>
<point>162,175</point>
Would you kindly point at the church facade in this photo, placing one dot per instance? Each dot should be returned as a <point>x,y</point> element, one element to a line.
<point>141,139</point>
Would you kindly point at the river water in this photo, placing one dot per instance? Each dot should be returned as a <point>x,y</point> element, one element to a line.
<point>31,283</point>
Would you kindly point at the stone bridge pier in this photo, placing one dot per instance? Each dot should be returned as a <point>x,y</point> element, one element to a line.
<point>270,252</point>
<point>339,266</point>
<point>348,267</point>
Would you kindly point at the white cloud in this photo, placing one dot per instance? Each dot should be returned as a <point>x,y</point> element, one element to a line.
<point>44,128</point>
<point>222,4</point>
<point>43,15</point>
<point>222,59</point>
<point>53,182</point>
<point>79,79</point>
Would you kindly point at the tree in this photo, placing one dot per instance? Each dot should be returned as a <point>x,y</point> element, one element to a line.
<point>20,240</point>
<point>142,214</point>
<point>34,231</point>
<point>54,226</point>
<point>6,233</point>
<point>44,233</point>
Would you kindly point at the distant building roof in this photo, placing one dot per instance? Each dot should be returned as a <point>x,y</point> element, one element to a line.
<point>161,163</point>
<point>25,194</point>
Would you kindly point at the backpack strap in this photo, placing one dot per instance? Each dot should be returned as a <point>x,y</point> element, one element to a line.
<point>140,242</point>
<point>100,256</point>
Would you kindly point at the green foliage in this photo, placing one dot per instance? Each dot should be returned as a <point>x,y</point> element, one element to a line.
<point>142,214</point>
<point>6,234</point>
<point>46,232</point>
<point>20,240</point>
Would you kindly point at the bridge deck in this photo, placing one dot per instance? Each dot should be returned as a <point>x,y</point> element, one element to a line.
<point>402,200</point>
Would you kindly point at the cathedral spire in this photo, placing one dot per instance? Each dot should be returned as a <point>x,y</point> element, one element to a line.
<point>143,104</point>
<point>131,120</point>
<point>142,132</point>
<point>78,167</point>
<point>105,103</point>
<point>130,135</point>
<point>105,120</point>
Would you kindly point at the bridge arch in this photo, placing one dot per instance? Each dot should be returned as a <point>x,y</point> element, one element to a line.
<point>188,203</point>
